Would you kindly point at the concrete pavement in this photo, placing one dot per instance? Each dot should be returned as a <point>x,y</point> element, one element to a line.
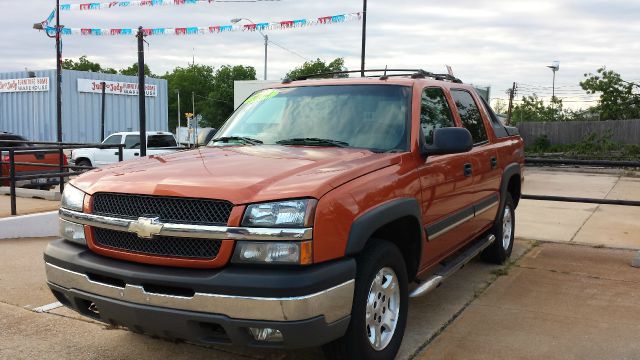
<point>602,225</point>
<point>26,205</point>
<point>558,302</point>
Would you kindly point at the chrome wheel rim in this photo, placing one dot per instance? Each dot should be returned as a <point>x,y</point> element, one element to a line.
<point>507,227</point>
<point>383,308</point>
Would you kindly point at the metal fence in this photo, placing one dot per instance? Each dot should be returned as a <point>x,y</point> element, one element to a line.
<point>572,132</point>
<point>60,170</point>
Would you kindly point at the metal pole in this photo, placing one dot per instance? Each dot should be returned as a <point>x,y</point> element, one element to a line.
<point>141,94</point>
<point>179,116</point>
<point>266,45</point>
<point>193,119</point>
<point>104,101</point>
<point>364,36</point>
<point>12,181</point>
<point>59,94</point>
<point>553,87</point>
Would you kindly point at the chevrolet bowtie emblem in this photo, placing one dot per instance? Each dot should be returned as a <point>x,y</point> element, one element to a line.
<point>145,227</point>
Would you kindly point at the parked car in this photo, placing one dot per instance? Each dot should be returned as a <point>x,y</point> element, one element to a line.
<point>319,209</point>
<point>158,142</point>
<point>45,157</point>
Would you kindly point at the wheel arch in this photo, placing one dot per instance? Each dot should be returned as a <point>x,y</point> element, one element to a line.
<point>397,221</point>
<point>512,183</point>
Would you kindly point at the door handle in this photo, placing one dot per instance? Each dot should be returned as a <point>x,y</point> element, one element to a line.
<point>136,154</point>
<point>468,169</point>
<point>494,162</point>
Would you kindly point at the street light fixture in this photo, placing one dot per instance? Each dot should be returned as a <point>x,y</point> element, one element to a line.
<point>555,66</point>
<point>266,41</point>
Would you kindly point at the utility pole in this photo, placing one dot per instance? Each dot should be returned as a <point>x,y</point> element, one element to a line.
<point>141,94</point>
<point>179,116</point>
<point>364,36</point>
<point>266,46</point>
<point>104,105</point>
<point>512,94</point>
<point>193,119</point>
<point>59,93</point>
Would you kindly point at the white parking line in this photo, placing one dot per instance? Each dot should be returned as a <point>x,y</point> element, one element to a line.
<point>48,307</point>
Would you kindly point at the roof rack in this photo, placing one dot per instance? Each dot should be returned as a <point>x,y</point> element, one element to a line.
<point>413,73</point>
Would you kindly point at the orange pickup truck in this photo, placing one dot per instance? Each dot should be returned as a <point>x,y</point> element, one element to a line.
<point>318,209</point>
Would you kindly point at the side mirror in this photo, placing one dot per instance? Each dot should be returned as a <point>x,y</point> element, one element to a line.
<point>452,140</point>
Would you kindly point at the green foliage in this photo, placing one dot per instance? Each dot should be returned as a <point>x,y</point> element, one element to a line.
<point>318,67</point>
<point>617,98</point>
<point>591,146</point>
<point>213,92</point>
<point>133,70</point>
<point>532,108</point>
<point>83,64</point>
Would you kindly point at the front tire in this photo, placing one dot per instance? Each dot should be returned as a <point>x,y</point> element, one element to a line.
<point>504,229</point>
<point>379,312</point>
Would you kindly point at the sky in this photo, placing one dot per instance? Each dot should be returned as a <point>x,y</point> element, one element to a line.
<point>488,43</point>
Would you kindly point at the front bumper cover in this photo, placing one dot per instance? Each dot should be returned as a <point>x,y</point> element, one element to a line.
<point>310,306</point>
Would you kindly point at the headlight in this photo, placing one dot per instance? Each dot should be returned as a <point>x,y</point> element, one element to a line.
<point>72,199</point>
<point>271,252</point>
<point>72,232</point>
<point>297,213</point>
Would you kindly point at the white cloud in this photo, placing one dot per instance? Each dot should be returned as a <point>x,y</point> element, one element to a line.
<point>486,42</point>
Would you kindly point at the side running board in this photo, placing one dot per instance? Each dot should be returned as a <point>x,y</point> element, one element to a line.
<point>452,266</point>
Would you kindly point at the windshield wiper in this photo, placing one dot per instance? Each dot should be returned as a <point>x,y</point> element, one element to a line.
<point>245,139</point>
<point>313,142</point>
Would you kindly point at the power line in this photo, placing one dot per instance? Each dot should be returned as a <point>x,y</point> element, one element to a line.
<point>289,50</point>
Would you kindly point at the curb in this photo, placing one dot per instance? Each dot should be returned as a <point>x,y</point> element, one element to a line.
<point>32,193</point>
<point>30,226</point>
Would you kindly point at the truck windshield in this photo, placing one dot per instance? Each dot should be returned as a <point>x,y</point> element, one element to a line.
<point>374,117</point>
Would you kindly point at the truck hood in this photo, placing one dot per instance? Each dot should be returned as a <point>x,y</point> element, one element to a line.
<point>239,174</point>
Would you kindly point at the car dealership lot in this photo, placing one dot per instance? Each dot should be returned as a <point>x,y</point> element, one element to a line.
<point>558,301</point>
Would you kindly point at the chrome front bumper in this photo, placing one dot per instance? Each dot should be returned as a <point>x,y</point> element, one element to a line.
<point>333,303</point>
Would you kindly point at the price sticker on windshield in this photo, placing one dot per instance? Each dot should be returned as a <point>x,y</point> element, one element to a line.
<point>262,96</point>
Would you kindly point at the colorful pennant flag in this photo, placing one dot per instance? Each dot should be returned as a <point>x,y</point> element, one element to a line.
<point>121,4</point>
<point>195,30</point>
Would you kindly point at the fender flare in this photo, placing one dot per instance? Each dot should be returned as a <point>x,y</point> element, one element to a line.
<point>509,171</point>
<point>366,224</point>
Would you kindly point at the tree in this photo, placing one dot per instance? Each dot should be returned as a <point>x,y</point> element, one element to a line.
<point>617,97</point>
<point>213,92</point>
<point>133,70</point>
<point>83,64</point>
<point>532,108</point>
<point>318,67</point>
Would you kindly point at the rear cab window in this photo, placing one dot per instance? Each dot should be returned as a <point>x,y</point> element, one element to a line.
<point>470,115</point>
<point>435,112</point>
<point>161,141</point>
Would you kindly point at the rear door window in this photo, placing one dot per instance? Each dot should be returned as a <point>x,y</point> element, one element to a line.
<point>470,115</point>
<point>435,112</point>
<point>161,141</point>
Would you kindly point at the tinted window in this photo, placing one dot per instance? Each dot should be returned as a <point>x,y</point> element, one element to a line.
<point>161,141</point>
<point>12,138</point>
<point>113,139</point>
<point>470,115</point>
<point>132,142</point>
<point>363,116</point>
<point>435,112</point>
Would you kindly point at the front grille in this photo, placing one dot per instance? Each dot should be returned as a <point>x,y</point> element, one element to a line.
<point>169,209</point>
<point>168,246</point>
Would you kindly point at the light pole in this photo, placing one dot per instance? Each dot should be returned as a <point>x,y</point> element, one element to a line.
<point>266,41</point>
<point>555,66</point>
<point>58,31</point>
<point>364,37</point>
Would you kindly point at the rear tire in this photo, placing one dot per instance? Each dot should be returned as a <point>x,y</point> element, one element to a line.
<point>84,162</point>
<point>380,296</point>
<point>504,230</point>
